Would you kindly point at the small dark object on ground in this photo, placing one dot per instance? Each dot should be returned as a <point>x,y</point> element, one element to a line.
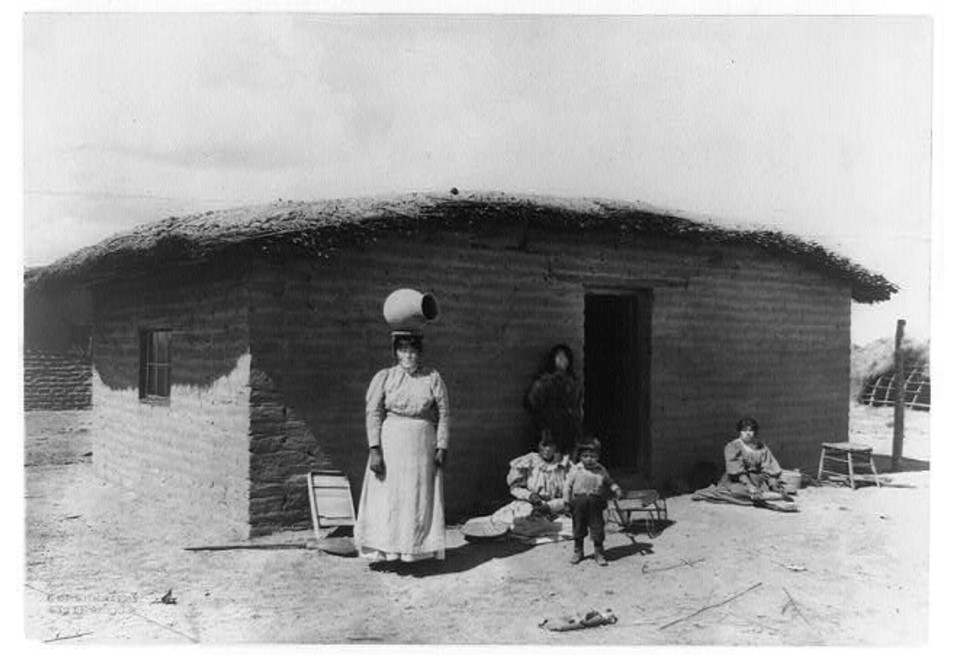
<point>590,619</point>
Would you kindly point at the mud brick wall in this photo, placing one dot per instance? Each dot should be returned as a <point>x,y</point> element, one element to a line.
<point>733,332</point>
<point>189,454</point>
<point>749,336</point>
<point>282,452</point>
<point>56,381</point>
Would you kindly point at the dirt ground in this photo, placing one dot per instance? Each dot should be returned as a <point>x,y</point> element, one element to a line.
<point>851,568</point>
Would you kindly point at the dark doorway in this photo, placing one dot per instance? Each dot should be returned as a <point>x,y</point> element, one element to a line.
<point>616,375</point>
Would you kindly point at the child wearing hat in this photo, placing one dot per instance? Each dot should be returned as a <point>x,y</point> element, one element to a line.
<point>586,491</point>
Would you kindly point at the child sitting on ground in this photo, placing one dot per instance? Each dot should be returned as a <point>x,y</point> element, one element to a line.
<point>586,491</point>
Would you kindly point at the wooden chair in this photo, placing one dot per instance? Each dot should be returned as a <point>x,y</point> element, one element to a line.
<point>851,456</point>
<point>331,503</point>
<point>646,502</point>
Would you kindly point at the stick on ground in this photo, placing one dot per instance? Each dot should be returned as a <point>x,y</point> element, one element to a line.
<point>710,607</point>
<point>796,605</point>
<point>251,547</point>
<point>676,566</point>
<point>59,638</point>
<point>166,627</point>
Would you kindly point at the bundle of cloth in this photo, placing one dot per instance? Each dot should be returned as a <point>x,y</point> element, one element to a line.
<point>589,619</point>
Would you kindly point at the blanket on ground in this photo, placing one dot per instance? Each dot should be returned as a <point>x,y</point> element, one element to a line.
<point>767,500</point>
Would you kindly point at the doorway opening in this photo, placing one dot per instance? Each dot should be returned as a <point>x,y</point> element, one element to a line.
<point>616,375</point>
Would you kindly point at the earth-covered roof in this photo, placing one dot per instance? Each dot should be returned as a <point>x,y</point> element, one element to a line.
<point>320,227</point>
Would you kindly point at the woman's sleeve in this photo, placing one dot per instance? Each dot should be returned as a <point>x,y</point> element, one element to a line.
<point>573,395</point>
<point>443,412</point>
<point>376,411</point>
<point>734,460</point>
<point>533,401</point>
<point>770,464</point>
<point>517,478</point>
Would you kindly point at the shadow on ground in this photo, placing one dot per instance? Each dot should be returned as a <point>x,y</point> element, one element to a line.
<point>653,528</point>
<point>474,553</point>
<point>907,465</point>
<point>627,550</point>
<point>458,559</point>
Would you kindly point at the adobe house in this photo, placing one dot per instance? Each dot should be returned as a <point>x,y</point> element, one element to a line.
<point>232,350</point>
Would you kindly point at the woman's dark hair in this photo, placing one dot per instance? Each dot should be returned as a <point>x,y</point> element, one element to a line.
<point>549,365</point>
<point>414,340</point>
<point>589,443</point>
<point>748,421</point>
<point>546,439</point>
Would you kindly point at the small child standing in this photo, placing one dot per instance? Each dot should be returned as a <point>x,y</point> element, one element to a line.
<point>586,491</point>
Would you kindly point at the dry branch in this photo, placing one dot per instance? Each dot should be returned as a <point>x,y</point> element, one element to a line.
<point>676,566</point>
<point>710,607</point>
<point>59,638</point>
<point>250,547</point>
<point>796,606</point>
<point>166,627</point>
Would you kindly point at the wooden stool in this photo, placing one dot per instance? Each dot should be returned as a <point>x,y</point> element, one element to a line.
<point>852,456</point>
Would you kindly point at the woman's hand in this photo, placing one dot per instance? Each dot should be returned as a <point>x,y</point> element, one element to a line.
<point>440,457</point>
<point>377,464</point>
<point>556,505</point>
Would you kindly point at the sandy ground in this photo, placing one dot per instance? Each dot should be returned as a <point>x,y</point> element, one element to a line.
<point>851,568</point>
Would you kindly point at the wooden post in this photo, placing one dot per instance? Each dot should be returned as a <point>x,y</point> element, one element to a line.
<point>898,406</point>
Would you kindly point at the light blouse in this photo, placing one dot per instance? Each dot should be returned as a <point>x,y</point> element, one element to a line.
<point>530,474</point>
<point>421,394</point>
<point>741,458</point>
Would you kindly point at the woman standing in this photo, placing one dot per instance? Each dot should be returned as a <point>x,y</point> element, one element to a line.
<point>555,400</point>
<point>401,515</point>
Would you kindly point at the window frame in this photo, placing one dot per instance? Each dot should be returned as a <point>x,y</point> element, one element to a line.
<point>155,365</point>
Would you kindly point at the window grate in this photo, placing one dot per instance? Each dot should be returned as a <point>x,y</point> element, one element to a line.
<point>154,364</point>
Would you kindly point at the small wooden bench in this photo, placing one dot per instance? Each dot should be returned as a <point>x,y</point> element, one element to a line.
<point>851,456</point>
<point>646,502</point>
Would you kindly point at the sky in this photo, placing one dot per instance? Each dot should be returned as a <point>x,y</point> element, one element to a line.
<point>817,126</point>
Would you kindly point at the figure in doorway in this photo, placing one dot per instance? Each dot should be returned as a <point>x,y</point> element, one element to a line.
<point>555,399</point>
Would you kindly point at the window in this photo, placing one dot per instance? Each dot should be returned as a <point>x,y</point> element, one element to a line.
<point>154,364</point>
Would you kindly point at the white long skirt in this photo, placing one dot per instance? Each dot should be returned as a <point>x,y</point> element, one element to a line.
<point>401,515</point>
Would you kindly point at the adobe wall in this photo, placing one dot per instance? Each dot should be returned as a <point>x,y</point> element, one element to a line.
<point>55,381</point>
<point>733,332</point>
<point>190,454</point>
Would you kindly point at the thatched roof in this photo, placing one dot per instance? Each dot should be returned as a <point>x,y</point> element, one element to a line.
<point>877,357</point>
<point>318,228</point>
